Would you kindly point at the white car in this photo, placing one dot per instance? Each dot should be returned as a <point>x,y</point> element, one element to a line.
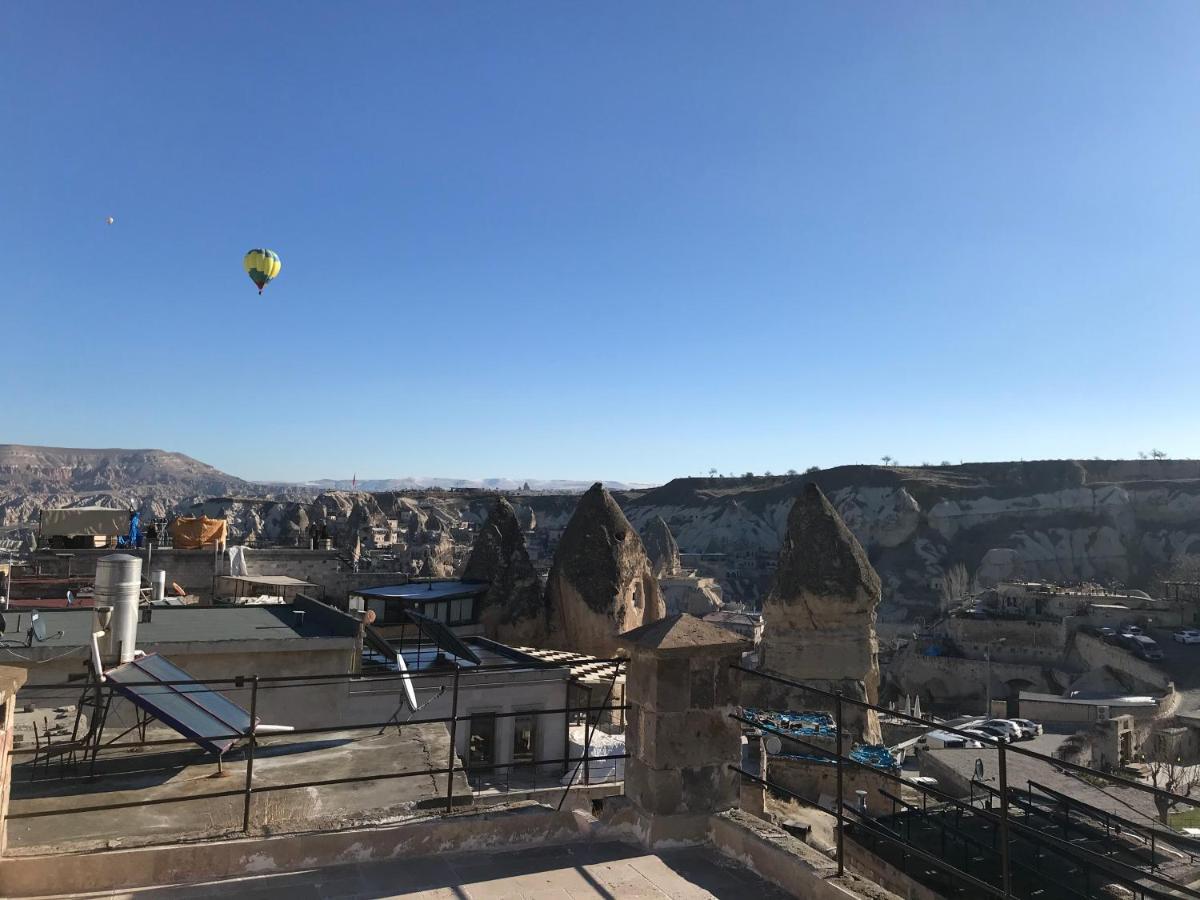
<point>1187,636</point>
<point>1030,728</point>
<point>1011,729</point>
<point>987,738</point>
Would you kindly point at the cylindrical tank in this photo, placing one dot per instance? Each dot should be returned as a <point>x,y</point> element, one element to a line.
<point>158,585</point>
<point>118,585</point>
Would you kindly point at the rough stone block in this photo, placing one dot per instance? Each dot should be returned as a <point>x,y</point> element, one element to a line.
<point>709,789</point>
<point>703,684</point>
<point>656,791</point>
<point>672,691</point>
<point>691,738</point>
<point>640,680</point>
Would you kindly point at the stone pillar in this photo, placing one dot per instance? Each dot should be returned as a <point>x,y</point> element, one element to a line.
<point>680,737</point>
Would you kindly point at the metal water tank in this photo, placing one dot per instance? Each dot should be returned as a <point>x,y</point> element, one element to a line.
<point>158,585</point>
<point>118,585</point>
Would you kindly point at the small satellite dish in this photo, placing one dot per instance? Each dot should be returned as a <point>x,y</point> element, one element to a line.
<point>774,744</point>
<point>70,598</point>
<point>38,627</point>
<point>978,769</point>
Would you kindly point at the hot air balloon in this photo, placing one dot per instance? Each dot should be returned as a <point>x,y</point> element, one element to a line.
<point>261,266</point>
<point>109,220</point>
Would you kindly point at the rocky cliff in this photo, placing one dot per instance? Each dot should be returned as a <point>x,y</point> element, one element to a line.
<point>600,584</point>
<point>661,548</point>
<point>1064,520</point>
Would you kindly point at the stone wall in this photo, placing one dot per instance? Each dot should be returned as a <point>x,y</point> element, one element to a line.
<point>813,780</point>
<point>953,680</point>
<point>1094,652</point>
<point>1037,642</point>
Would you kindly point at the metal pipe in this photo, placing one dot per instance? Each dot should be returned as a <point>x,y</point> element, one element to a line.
<point>453,738</point>
<point>1005,869</point>
<point>841,815</point>
<point>250,753</point>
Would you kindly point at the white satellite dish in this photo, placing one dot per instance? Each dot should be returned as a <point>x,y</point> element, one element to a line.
<point>70,598</point>
<point>774,744</point>
<point>38,627</point>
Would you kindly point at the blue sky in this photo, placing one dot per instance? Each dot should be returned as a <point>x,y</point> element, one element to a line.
<point>619,240</point>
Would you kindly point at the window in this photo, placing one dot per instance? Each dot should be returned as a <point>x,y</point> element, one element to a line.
<point>455,612</point>
<point>439,612</point>
<point>482,741</point>
<point>524,738</point>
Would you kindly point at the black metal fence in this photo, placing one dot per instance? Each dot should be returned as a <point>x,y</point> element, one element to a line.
<point>70,759</point>
<point>1014,857</point>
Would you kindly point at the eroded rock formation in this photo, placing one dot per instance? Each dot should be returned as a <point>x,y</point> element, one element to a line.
<point>820,616</point>
<point>601,583</point>
<point>661,548</point>
<point>513,610</point>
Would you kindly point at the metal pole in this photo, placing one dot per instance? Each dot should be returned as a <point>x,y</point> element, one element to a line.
<point>250,753</point>
<point>453,736</point>
<point>841,818</point>
<point>1004,861</point>
<point>987,710</point>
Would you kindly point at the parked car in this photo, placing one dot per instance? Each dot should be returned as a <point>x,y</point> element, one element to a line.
<point>937,740</point>
<point>1146,648</point>
<point>1030,728</point>
<point>990,733</point>
<point>1131,629</point>
<point>1187,636</point>
<point>1106,633</point>
<point>1011,729</point>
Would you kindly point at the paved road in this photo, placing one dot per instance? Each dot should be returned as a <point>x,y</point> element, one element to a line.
<point>1182,663</point>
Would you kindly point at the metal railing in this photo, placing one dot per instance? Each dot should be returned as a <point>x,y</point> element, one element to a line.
<point>252,741</point>
<point>1143,882</point>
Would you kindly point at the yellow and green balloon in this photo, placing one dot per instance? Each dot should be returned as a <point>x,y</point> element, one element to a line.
<point>261,266</point>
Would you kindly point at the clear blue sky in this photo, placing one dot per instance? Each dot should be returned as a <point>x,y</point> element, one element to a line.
<point>618,240</point>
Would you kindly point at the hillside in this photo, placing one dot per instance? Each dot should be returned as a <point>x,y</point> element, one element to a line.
<point>152,480</point>
<point>1125,521</point>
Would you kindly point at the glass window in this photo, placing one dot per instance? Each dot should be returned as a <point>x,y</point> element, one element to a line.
<point>468,610</point>
<point>439,612</point>
<point>524,737</point>
<point>482,746</point>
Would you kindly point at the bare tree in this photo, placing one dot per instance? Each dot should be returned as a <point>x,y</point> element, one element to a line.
<point>886,460</point>
<point>1168,771</point>
<point>1142,454</point>
<point>712,473</point>
<point>1158,454</point>
<point>956,586</point>
<point>792,472</point>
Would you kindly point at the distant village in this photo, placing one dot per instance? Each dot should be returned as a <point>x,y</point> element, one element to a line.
<point>373,672</point>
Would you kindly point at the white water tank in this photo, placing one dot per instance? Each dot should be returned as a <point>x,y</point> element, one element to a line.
<point>119,585</point>
<point>158,585</point>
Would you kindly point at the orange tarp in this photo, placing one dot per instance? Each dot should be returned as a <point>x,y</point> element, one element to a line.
<point>191,533</point>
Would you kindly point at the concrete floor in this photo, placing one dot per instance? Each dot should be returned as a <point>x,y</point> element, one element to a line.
<point>182,774</point>
<point>571,872</point>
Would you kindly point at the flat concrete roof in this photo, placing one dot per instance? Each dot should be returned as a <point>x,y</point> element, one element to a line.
<point>579,871</point>
<point>179,625</point>
<point>177,774</point>
<point>425,591</point>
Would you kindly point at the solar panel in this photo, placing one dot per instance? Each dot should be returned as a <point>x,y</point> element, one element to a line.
<point>442,637</point>
<point>194,710</point>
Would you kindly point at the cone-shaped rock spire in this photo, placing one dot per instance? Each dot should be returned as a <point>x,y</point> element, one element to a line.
<point>512,610</point>
<point>601,583</point>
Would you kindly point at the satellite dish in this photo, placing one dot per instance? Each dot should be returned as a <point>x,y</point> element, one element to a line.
<point>38,627</point>
<point>774,744</point>
<point>978,769</point>
<point>70,598</point>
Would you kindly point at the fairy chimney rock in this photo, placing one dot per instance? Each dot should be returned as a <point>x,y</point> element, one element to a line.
<point>661,548</point>
<point>820,612</point>
<point>512,610</point>
<point>601,583</point>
